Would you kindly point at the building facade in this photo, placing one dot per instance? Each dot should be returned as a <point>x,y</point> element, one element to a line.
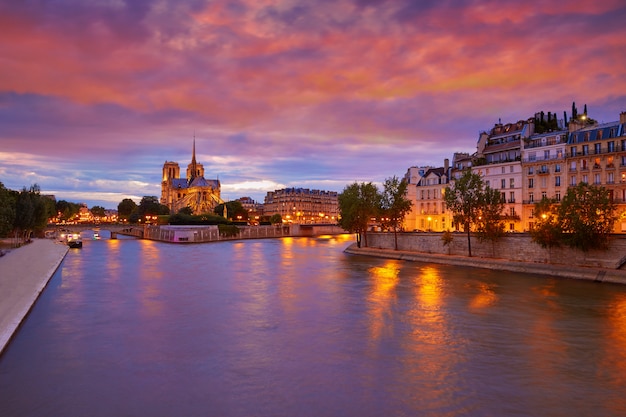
<point>193,191</point>
<point>301,205</point>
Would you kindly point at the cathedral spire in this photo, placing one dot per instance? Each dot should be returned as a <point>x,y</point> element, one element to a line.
<point>194,165</point>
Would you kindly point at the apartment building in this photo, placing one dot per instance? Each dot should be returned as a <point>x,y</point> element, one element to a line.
<point>544,172</point>
<point>302,205</point>
<point>596,154</point>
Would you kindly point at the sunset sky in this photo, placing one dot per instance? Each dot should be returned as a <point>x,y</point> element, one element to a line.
<point>95,95</point>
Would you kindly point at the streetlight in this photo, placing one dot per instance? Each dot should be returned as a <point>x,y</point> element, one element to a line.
<point>429,220</point>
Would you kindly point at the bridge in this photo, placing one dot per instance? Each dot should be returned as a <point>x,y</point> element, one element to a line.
<point>198,234</point>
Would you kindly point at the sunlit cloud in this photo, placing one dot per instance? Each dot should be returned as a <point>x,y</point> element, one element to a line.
<point>97,95</point>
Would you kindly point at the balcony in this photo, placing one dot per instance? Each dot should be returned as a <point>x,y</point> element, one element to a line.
<point>543,171</point>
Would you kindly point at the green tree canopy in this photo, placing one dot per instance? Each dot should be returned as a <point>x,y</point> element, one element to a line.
<point>98,211</point>
<point>150,206</point>
<point>7,210</point>
<point>276,219</point>
<point>125,208</point>
<point>68,210</point>
<point>234,210</point>
<point>547,229</point>
<point>587,215</point>
<point>465,199</point>
<point>490,225</point>
<point>394,205</point>
<point>358,203</point>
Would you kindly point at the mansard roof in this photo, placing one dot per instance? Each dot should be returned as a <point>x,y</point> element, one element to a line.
<point>597,132</point>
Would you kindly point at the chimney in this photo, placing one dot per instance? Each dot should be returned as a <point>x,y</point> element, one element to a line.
<point>446,165</point>
<point>622,117</point>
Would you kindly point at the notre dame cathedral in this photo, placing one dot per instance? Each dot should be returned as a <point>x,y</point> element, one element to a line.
<point>194,191</point>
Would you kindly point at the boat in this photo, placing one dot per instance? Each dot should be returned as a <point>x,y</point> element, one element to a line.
<point>74,240</point>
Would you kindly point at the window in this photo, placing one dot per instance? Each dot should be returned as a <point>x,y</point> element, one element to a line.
<point>610,179</point>
<point>531,183</point>
<point>503,197</point>
<point>623,160</point>
<point>572,180</point>
<point>531,170</point>
<point>557,196</point>
<point>573,150</point>
<point>596,163</point>
<point>583,164</point>
<point>572,166</point>
<point>609,162</point>
<point>532,213</point>
<point>557,168</point>
<point>557,181</point>
<point>512,212</point>
<point>512,183</point>
<point>511,197</point>
<point>487,183</point>
<point>544,169</point>
<point>531,197</point>
<point>597,148</point>
<point>599,134</point>
<point>585,179</point>
<point>544,195</point>
<point>503,182</point>
<point>532,156</point>
<point>611,146</point>
<point>511,168</point>
<point>546,154</point>
<point>586,149</point>
<point>596,179</point>
<point>502,170</point>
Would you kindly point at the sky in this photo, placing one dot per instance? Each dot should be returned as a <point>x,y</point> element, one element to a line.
<point>95,95</point>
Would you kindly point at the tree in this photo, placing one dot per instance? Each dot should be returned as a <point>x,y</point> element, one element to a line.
<point>547,230</point>
<point>394,204</point>
<point>586,215</point>
<point>358,203</point>
<point>32,212</point>
<point>490,226</point>
<point>234,210</point>
<point>98,211</point>
<point>464,199</point>
<point>7,210</point>
<point>125,208</point>
<point>150,206</point>
<point>67,210</point>
<point>276,219</point>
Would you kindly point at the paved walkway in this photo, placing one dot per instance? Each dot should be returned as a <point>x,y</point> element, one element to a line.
<point>24,273</point>
<point>616,276</point>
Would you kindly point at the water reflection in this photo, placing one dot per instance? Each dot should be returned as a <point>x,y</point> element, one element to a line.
<point>285,327</point>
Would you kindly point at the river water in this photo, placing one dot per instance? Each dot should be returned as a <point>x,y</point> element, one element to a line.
<point>296,327</point>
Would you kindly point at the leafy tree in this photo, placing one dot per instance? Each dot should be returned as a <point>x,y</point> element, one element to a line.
<point>394,204</point>
<point>276,219</point>
<point>490,226</point>
<point>234,210</point>
<point>150,206</point>
<point>7,210</point>
<point>68,210</point>
<point>446,239</point>
<point>125,208</point>
<point>186,210</point>
<point>465,198</point>
<point>586,215</point>
<point>547,230</point>
<point>98,211</point>
<point>358,203</point>
<point>32,212</point>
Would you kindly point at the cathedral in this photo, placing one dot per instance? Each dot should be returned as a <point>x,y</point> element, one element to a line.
<point>194,191</point>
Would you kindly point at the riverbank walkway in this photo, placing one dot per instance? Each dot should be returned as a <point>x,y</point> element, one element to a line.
<point>24,273</point>
<point>617,276</point>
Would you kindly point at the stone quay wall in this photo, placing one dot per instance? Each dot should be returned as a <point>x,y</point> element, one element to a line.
<point>513,247</point>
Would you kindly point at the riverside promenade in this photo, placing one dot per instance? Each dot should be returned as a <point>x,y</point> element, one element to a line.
<point>597,274</point>
<point>24,273</point>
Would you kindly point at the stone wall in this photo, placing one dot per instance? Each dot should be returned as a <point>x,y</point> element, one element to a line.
<point>514,247</point>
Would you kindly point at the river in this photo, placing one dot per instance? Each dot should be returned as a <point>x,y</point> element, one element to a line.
<point>296,327</point>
